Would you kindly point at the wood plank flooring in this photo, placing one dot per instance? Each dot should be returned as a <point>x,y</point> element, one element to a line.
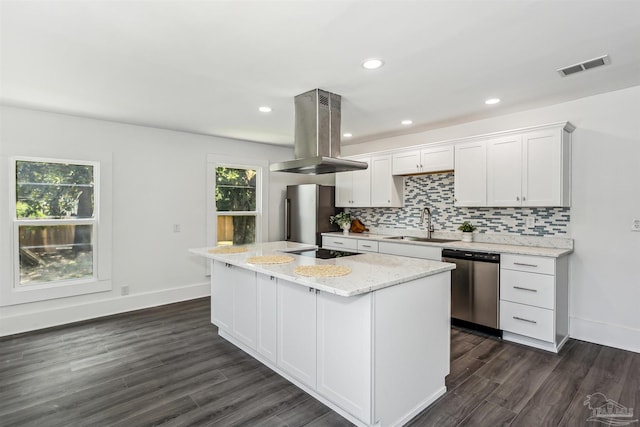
<point>167,366</point>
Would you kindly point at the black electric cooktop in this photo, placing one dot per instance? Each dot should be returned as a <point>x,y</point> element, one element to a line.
<point>323,253</point>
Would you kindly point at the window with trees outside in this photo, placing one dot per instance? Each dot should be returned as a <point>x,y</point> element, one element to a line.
<point>55,222</point>
<point>237,204</point>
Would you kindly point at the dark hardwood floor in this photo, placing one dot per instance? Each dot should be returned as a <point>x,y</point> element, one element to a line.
<point>167,365</point>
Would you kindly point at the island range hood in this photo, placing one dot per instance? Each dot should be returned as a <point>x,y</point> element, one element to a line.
<point>317,137</point>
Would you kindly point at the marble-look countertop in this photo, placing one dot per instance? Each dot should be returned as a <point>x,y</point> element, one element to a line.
<point>369,272</point>
<point>473,246</point>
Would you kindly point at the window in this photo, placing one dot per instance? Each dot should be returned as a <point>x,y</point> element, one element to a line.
<point>55,221</point>
<point>235,193</point>
<point>236,207</point>
<point>56,206</point>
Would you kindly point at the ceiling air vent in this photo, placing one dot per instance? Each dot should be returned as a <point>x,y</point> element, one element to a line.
<point>584,66</point>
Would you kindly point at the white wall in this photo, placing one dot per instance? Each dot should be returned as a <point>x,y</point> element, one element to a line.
<point>604,269</point>
<point>158,180</point>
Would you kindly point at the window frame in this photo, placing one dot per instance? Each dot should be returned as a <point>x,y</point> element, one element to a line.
<point>260,166</point>
<point>100,279</point>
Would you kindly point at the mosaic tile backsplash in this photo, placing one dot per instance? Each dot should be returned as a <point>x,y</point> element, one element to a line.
<point>436,193</point>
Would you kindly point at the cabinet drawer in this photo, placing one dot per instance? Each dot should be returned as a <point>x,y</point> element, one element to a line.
<point>525,320</point>
<point>533,264</point>
<point>339,243</point>
<point>527,288</point>
<point>367,246</point>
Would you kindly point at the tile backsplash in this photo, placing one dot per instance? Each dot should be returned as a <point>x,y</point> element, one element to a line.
<point>436,193</point>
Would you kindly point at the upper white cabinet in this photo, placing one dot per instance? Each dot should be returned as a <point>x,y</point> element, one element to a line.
<point>426,160</point>
<point>530,169</point>
<point>373,187</point>
<point>470,180</point>
<point>353,189</point>
<point>386,189</point>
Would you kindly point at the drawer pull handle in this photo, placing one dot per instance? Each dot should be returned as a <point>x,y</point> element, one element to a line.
<point>525,289</point>
<point>366,246</point>
<point>524,320</point>
<point>338,243</point>
<point>525,264</point>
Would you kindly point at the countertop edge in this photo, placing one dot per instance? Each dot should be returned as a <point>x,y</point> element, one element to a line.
<point>502,248</point>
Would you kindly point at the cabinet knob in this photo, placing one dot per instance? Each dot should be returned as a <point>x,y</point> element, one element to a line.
<point>420,166</point>
<point>417,166</point>
<point>518,198</point>
<point>524,199</point>
<point>388,201</point>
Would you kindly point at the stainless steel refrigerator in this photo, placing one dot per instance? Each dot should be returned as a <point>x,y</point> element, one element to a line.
<point>307,209</point>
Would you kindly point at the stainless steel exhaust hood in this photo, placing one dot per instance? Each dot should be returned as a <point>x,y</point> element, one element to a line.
<point>317,136</point>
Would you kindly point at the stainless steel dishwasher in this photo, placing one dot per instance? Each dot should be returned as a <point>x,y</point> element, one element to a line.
<point>475,289</point>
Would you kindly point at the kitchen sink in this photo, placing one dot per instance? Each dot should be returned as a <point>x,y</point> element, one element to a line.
<point>420,239</point>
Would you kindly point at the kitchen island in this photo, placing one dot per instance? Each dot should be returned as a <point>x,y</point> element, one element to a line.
<point>373,344</point>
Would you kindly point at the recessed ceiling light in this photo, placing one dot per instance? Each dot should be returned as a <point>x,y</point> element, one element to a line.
<point>372,64</point>
<point>265,109</point>
<point>407,122</point>
<point>347,135</point>
<point>492,101</point>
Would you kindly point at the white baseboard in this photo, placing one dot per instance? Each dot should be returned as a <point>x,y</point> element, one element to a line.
<point>607,334</point>
<point>106,307</point>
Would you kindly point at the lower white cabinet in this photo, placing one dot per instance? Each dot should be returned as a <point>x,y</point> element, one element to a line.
<point>296,335</point>
<point>345,352</point>
<point>222,296</point>
<point>267,322</point>
<point>234,301</point>
<point>534,300</point>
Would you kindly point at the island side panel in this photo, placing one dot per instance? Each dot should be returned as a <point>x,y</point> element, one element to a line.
<point>411,343</point>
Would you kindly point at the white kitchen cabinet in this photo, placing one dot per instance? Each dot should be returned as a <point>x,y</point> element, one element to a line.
<point>546,175</point>
<point>349,244</point>
<point>339,243</point>
<point>437,159</point>
<point>221,296</point>
<point>534,300</point>
<point>504,171</point>
<point>425,160</point>
<point>386,190</point>
<point>267,322</point>
<point>353,189</point>
<point>409,250</point>
<point>470,180</point>
<point>245,322</point>
<point>344,359</point>
<point>296,331</point>
<point>530,169</point>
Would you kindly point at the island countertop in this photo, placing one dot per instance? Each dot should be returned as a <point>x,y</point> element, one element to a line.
<point>369,271</point>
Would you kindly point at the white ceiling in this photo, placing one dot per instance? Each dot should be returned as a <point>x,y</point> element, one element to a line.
<point>206,66</point>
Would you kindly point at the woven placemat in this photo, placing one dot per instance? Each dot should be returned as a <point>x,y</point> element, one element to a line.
<point>227,250</point>
<point>270,259</point>
<point>322,270</point>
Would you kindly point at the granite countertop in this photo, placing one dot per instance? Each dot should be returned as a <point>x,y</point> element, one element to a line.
<point>369,272</point>
<point>502,248</point>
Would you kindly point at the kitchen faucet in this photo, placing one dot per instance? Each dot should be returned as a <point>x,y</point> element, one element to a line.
<point>427,211</point>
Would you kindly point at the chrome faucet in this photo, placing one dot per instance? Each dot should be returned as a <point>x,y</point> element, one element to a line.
<point>426,211</point>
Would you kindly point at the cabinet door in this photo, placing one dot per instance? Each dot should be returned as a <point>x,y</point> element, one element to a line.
<point>470,180</point>
<point>221,297</point>
<point>245,309</point>
<point>361,186</point>
<point>504,171</point>
<point>543,174</point>
<point>345,352</point>
<point>344,189</point>
<point>297,331</point>
<point>437,159</point>
<point>267,316</point>
<point>406,162</point>
<point>386,189</point>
